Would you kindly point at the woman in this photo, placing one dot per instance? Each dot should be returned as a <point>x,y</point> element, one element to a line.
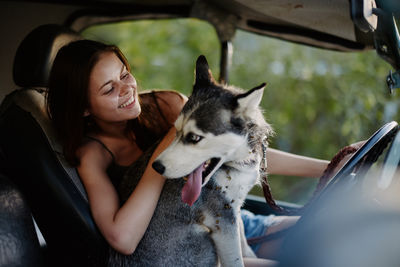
<point>109,126</point>
<point>100,133</point>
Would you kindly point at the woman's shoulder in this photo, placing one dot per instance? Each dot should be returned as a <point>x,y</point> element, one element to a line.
<point>170,95</point>
<point>170,102</point>
<point>93,152</point>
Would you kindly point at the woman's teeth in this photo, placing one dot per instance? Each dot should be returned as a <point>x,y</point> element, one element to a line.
<point>127,103</point>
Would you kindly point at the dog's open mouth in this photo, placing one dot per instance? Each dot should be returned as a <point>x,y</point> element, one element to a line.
<point>209,166</point>
<point>196,179</point>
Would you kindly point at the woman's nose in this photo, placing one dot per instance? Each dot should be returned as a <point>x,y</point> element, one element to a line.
<point>124,89</point>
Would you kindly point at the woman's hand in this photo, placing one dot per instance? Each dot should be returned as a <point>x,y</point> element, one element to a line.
<point>356,146</point>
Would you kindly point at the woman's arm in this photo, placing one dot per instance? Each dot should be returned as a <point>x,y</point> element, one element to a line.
<point>259,262</point>
<point>284,163</point>
<point>123,227</point>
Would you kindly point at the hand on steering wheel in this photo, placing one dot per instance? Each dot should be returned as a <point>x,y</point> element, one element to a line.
<point>367,153</point>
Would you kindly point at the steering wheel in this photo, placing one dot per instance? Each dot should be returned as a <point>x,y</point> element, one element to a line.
<point>355,168</point>
<point>341,215</point>
<point>367,154</point>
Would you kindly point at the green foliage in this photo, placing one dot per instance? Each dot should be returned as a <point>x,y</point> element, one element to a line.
<point>162,53</point>
<point>317,100</point>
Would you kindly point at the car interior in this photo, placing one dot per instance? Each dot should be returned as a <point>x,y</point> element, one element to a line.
<point>45,218</point>
<point>54,184</point>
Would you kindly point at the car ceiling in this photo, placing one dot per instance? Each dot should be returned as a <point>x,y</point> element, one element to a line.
<point>319,23</point>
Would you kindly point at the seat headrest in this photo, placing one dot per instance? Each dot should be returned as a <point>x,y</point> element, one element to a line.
<point>35,54</point>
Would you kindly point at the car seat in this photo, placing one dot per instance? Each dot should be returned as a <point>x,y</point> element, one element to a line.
<point>19,245</point>
<point>32,158</point>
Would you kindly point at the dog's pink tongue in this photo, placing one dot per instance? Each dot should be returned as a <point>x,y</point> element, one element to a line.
<point>191,190</point>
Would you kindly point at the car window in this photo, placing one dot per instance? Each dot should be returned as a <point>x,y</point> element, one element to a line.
<point>316,100</point>
<point>162,53</point>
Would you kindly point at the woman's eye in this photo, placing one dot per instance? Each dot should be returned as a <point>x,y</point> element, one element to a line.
<point>109,91</point>
<point>124,76</point>
<point>193,138</point>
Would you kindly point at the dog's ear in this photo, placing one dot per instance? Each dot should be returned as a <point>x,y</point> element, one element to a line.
<point>252,98</point>
<point>203,73</point>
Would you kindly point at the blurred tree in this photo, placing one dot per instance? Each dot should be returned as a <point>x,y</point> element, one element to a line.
<point>317,100</point>
<point>162,53</point>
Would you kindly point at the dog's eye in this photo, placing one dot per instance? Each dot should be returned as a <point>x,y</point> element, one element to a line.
<point>193,138</point>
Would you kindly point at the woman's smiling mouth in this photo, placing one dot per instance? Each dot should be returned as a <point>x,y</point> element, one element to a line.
<point>130,101</point>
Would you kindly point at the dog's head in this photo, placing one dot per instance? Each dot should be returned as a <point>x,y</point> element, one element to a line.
<point>211,130</point>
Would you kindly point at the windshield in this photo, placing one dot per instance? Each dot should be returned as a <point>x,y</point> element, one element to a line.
<point>316,100</point>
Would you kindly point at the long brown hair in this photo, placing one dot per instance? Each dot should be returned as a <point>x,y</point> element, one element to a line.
<point>67,96</point>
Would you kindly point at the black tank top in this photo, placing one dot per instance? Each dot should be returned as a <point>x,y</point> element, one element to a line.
<point>114,170</point>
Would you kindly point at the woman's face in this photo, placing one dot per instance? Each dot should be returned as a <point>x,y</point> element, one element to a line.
<point>113,95</point>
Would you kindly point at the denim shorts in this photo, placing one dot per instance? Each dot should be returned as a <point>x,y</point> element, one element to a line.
<point>256,225</point>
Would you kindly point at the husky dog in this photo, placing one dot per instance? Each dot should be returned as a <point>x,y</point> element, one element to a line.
<point>219,146</point>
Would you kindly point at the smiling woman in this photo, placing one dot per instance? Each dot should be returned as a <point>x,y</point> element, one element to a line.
<point>83,56</point>
<point>103,135</point>
<point>113,92</point>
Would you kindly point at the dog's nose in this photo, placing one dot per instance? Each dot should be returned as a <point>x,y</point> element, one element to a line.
<point>158,167</point>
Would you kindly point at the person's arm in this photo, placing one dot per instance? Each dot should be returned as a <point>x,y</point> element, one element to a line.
<point>123,227</point>
<point>284,163</point>
<point>259,262</point>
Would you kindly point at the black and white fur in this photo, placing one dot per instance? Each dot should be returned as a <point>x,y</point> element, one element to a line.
<point>222,126</point>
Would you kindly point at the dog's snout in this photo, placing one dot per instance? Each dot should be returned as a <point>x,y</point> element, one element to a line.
<point>158,167</point>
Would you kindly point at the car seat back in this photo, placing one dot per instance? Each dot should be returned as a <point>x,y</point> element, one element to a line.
<point>33,159</point>
<point>19,245</point>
